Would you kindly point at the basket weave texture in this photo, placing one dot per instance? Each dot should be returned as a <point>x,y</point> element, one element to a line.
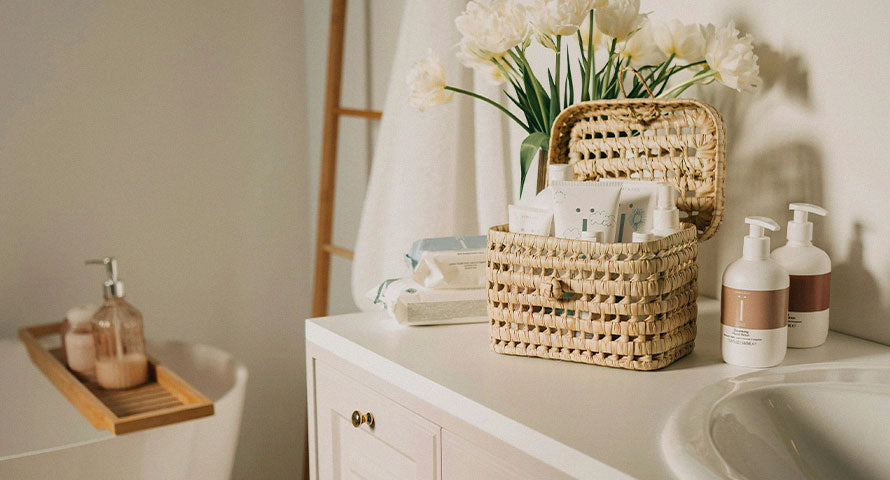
<point>626,305</point>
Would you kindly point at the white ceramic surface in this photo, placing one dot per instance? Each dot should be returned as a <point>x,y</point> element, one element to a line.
<point>810,422</point>
<point>43,436</point>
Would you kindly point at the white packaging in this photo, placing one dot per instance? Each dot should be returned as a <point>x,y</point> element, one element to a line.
<point>559,172</point>
<point>410,303</point>
<point>535,221</point>
<point>585,206</point>
<point>451,269</point>
<point>636,207</point>
<point>666,217</point>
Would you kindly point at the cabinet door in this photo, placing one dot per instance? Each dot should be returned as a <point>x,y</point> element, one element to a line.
<point>462,460</point>
<point>400,445</point>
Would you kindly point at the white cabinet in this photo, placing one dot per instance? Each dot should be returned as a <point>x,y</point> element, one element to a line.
<point>462,460</point>
<point>397,445</point>
<point>402,443</point>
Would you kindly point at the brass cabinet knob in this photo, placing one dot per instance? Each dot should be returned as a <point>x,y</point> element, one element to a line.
<point>358,419</point>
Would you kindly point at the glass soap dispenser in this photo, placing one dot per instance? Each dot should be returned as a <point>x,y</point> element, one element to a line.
<point>121,361</point>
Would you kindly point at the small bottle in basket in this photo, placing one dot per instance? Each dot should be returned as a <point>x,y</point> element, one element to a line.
<point>121,361</point>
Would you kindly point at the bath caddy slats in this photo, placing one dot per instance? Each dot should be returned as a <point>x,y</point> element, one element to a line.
<point>165,399</point>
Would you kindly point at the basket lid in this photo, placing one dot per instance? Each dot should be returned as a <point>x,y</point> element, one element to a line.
<point>681,141</point>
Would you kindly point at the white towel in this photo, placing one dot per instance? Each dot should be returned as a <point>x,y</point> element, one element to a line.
<point>445,171</point>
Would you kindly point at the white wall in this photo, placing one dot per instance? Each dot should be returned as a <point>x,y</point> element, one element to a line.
<point>172,135</point>
<point>815,133</point>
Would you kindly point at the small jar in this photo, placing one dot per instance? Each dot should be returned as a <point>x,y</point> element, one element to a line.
<point>80,313</point>
<point>77,341</point>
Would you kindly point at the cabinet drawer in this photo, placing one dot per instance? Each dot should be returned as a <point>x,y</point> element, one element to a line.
<point>399,445</point>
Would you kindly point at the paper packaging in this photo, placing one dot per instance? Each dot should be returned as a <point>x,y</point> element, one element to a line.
<point>535,221</point>
<point>585,206</point>
<point>412,304</point>
<point>636,207</point>
<point>451,269</point>
<point>460,242</point>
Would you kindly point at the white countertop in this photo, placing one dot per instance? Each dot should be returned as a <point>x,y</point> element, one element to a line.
<point>584,420</point>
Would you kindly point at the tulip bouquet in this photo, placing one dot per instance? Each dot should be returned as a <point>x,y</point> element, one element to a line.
<point>612,37</point>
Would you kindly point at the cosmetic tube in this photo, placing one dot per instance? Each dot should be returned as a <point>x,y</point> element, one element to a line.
<point>535,221</point>
<point>585,206</point>
<point>636,207</point>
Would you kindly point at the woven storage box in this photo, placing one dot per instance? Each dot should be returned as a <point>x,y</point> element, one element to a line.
<point>627,305</point>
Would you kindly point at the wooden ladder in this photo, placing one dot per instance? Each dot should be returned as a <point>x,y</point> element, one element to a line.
<point>327,184</point>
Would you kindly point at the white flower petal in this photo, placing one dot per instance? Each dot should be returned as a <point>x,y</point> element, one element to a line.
<point>494,26</point>
<point>619,18</point>
<point>732,57</point>
<point>685,42</point>
<point>559,17</point>
<point>426,79</point>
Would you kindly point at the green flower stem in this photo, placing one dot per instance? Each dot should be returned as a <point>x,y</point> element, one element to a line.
<point>658,74</point>
<point>608,71</point>
<point>492,102</point>
<point>591,64</point>
<point>554,107</point>
<point>704,74</point>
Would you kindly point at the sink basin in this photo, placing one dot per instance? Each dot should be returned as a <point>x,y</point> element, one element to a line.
<point>810,422</point>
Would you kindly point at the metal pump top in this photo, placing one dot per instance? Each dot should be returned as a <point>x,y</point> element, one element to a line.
<point>114,287</point>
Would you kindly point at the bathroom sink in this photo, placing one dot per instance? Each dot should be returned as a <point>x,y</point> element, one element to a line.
<point>810,422</point>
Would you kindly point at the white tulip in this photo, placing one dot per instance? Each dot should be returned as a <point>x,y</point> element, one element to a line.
<point>494,26</point>
<point>732,57</point>
<point>640,48</point>
<point>427,82</point>
<point>473,57</point>
<point>558,17</point>
<point>619,18</point>
<point>686,42</point>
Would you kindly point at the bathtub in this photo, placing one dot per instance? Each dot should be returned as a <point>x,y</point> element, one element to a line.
<point>43,436</point>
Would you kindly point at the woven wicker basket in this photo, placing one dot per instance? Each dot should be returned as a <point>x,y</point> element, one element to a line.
<point>627,305</point>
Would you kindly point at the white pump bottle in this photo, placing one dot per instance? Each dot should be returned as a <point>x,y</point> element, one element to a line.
<point>754,303</point>
<point>666,218</point>
<point>810,270</point>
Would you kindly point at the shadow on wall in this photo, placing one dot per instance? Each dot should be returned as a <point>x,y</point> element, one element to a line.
<point>764,172</point>
<point>856,305</point>
<point>771,162</point>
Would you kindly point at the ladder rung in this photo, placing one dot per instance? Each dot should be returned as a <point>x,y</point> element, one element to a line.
<point>352,112</point>
<point>339,251</point>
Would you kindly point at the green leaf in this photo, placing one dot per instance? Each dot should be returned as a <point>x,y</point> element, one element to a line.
<point>570,85</point>
<point>585,82</point>
<point>530,146</point>
<point>532,96</point>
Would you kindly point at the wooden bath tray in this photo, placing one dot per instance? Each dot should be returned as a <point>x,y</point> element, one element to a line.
<point>165,399</point>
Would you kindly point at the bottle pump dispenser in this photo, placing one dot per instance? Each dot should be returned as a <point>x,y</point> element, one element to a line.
<point>810,271</point>
<point>754,302</point>
<point>121,361</point>
<point>666,218</point>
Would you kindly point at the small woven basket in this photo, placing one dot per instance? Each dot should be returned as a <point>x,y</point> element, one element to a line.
<point>626,305</point>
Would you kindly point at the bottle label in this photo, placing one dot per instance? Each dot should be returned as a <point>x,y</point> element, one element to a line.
<point>754,309</point>
<point>809,293</point>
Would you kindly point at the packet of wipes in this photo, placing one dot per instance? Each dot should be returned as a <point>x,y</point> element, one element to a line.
<point>459,242</point>
<point>412,304</point>
<point>451,269</point>
<point>448,262</point>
